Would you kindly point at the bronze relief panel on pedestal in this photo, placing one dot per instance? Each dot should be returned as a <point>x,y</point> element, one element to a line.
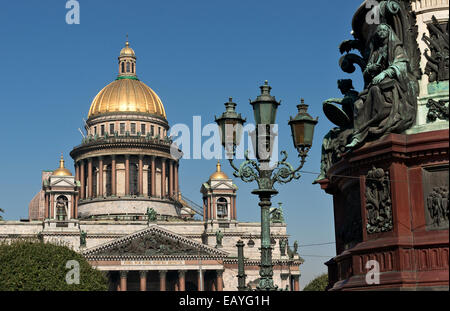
<point>436,199</point>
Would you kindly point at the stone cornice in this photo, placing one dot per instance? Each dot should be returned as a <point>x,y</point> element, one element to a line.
<point>122,145</point>
<point>94,257</point>
<point>255,262</point>
<point>128,116</point>
<point>422,148</point>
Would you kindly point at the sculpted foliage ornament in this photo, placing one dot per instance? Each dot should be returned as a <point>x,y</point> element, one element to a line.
<point>378,201</point>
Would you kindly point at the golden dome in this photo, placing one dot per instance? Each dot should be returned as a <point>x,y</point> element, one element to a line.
<point>127,95</point>
<point>218,174</point>
<point>61,171</point>
<point>127,51</point>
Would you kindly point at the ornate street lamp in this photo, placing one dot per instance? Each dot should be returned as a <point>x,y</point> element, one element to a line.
<point>230,127</point>
<point>265,107</point>
<point>302,127</point>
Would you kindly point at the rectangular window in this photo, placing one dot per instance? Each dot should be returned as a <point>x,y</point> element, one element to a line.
<point>95,130</point>
<point>152,130</point>
<point>159,132</point>
<point>111,129</point>
<point>143,129</point>
<point>102,130</point>
<point>122,128</point>
<point>133,128</point>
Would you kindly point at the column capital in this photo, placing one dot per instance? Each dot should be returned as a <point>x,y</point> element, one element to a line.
<point>162,272</point>
<point>182,272</point>
<point>143,273</point>
<point>123,273</point>
<point>113,156</point>
<point>219,272</point>
<point>89,160</point>
<point>140,156</point>
<point>127,156</point>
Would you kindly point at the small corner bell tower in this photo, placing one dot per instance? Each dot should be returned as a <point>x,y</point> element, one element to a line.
<point>127,62</point>
<point>61,194</point>
<point>219,198</point>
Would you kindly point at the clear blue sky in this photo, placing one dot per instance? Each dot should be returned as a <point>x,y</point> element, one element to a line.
<point>194,54</point>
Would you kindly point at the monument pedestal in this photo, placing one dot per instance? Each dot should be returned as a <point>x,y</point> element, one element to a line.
<point>391,208</point>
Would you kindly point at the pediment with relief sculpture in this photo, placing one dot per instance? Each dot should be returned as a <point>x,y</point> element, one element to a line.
<point>153,241</point>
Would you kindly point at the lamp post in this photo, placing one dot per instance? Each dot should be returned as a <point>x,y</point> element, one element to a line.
<point>241,266</point>
<point>231,128</point>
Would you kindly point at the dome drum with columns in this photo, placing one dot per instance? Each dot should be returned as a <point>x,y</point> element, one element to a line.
<point>125,158</point>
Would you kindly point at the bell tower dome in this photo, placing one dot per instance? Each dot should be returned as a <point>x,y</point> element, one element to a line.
<point>219,197</point>
<point>127,61</point>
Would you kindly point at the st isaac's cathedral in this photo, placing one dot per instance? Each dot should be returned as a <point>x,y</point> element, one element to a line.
<point>123,209</point>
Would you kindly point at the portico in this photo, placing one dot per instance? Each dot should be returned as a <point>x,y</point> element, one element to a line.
<point>155,259</point>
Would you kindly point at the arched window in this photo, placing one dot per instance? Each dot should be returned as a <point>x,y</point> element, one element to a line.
<point>128,67</point>
<point>108,180</point>
<point>132,67</point>
<point>222,208</point>
<point>134,179</point>
<point>123,67</point>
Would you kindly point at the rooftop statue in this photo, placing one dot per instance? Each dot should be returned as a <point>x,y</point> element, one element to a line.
<point>219,237</point>
<point>276,214</point>
<point>151,215</point>
<point>83,236</point>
